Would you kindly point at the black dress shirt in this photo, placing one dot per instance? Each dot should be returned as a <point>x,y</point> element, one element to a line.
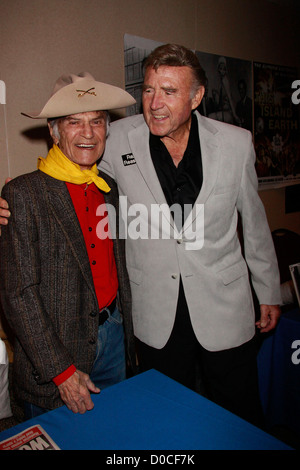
<point>181,185</point>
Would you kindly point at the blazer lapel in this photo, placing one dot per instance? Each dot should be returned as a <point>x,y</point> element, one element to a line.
<point>139,142</point>
<point>210,154</point>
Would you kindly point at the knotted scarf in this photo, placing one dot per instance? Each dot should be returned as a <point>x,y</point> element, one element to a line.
<point>57,165</point>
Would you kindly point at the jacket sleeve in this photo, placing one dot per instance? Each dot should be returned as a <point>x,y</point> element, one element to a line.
<point>20,277</point>
<point>258,244</point>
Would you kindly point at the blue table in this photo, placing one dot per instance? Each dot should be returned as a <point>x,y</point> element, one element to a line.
<point>150,412</point>
<point>279,373</point>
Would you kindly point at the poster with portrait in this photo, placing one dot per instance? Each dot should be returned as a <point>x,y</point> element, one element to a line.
<point>228,95</point>
<point>276,125</point>
<point>136,49</point>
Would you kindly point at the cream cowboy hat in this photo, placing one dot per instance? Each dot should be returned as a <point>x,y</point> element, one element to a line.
<point>74,94</point>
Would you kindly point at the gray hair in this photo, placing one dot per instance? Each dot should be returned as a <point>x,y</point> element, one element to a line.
<point>174,55</point>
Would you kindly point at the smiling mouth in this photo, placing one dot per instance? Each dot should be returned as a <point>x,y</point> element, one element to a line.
<point>159,117</point>
<point>86,146</point>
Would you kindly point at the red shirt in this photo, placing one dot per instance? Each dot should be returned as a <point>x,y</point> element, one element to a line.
<point>86,200</point>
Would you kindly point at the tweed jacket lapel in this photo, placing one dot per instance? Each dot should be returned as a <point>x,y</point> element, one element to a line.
<point>112,205</point>
<point>61,207</point>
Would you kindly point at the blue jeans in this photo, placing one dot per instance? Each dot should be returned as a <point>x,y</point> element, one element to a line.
<point>109,365</point>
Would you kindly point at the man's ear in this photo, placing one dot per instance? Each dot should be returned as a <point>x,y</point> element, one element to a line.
<point>52,134</point>
<point>50,130</point>
<point>198,97</point>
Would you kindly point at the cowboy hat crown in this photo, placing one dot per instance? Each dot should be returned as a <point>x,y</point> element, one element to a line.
<point>73,94</point>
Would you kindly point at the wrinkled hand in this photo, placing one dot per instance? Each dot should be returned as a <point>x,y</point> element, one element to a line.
<point>4,212</point>
<point>75,392</point>
<point>269,317</point>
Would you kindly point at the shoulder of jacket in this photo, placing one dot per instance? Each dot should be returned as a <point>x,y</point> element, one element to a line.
<point>21,181</point>
<point>128,122</point>
<point>227,129</point>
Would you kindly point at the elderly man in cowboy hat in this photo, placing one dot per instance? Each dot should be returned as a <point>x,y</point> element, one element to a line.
<point>63,281</point>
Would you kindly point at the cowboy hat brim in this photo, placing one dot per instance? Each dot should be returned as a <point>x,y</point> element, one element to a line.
<point>78,94</point>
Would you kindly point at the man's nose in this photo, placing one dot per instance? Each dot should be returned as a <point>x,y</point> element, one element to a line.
<point>156,101</point>
<point>87,130</point>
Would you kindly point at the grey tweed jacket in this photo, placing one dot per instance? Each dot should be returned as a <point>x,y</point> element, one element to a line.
<point>47,290</point>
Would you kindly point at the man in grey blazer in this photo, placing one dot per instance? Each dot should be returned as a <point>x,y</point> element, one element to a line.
<point>63,280</point>
<point>192,301</point>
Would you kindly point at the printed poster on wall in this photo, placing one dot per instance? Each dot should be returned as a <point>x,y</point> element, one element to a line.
<point>276,136</point>
<point>228,94</point>
<point>136,49</point>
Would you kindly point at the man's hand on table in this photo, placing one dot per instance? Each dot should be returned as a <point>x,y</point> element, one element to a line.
<point>75,392</point>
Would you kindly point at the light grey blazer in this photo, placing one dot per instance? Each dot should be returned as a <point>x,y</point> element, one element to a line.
<point>207,256</point>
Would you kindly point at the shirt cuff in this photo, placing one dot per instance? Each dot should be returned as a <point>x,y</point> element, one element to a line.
<point>60,378</point>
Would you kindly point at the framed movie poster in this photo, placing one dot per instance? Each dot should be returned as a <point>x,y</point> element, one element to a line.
<point>136,49</point>
<point>228,95</point>
<point>276,125</point>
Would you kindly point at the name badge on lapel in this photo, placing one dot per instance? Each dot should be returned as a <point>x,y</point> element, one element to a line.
<point>128,159</point>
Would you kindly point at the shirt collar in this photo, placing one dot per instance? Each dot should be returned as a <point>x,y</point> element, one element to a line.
<point>193,142</point>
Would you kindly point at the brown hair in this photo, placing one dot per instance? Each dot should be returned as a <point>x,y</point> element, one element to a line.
<point>173,55</point>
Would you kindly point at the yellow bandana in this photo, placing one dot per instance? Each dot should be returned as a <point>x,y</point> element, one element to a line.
<point>57,165</point>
